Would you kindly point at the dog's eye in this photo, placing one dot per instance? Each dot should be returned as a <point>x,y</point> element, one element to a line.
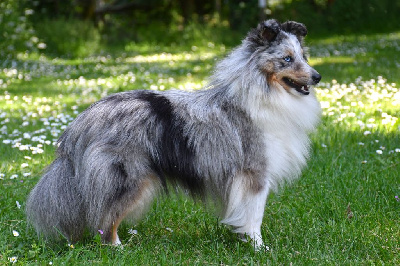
<point>288,58</point>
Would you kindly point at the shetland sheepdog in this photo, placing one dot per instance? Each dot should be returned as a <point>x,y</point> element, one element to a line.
<point>233,142</point>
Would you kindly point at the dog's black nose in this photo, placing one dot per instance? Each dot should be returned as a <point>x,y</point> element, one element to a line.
<point>316,77</point>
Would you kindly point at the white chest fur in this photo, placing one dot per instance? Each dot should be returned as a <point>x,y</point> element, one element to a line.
<point>286,155</point>
<point>286,121</point>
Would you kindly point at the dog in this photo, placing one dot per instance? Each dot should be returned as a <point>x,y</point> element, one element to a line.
<point>232,142</point>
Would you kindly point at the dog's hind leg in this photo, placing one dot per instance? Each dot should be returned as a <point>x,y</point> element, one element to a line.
<point>132,203</point>
<point>113,188</point>
<point>136,207</point>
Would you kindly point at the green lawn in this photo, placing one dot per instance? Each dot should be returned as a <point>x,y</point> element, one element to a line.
<point>344,210</point>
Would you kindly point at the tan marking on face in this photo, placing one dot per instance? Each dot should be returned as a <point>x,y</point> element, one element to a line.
<point>272,80</point>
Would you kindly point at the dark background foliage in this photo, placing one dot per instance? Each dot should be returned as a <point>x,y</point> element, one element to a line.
<point>70,27</point>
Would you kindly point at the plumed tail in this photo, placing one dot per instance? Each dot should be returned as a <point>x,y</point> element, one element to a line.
<point>55,206</point>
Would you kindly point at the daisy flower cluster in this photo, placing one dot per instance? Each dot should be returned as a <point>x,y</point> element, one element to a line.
<point>366,114</point>
<point>365,105</point>
<point>29,126</point>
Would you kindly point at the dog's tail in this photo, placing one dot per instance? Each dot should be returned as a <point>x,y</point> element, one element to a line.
<point>55,206</point>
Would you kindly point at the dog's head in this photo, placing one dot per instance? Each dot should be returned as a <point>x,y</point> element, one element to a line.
<point>280,55</point>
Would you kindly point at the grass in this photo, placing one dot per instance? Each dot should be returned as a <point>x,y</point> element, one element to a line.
<point>344,209</point>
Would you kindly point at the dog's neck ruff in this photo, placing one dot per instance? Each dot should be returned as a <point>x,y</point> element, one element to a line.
<point>284,118</point>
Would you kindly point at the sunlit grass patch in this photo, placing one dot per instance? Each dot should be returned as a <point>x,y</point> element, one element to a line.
<point>335,60</point>
<point>371,56</point>
<point>372,104</point>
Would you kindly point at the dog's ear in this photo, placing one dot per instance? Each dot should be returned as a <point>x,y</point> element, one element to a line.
<point>269,29</point>
<point>295,28</point>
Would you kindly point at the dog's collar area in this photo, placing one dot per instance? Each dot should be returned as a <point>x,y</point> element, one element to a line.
<point>303,89</point>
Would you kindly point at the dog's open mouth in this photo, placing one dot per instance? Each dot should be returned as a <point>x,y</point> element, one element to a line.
<point>303,89</point>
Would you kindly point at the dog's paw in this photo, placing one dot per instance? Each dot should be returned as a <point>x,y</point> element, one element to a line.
<point>259,245</point>
<point>257,242</point>
<point>262,248</point>
<point>117,242</point>
<point>243,237</point>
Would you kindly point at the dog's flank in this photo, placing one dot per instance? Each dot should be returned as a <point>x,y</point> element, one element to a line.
<point>233,143</point>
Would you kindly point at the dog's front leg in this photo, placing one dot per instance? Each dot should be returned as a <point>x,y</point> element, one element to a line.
<point>255,213</point>
<point>245,211</point>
